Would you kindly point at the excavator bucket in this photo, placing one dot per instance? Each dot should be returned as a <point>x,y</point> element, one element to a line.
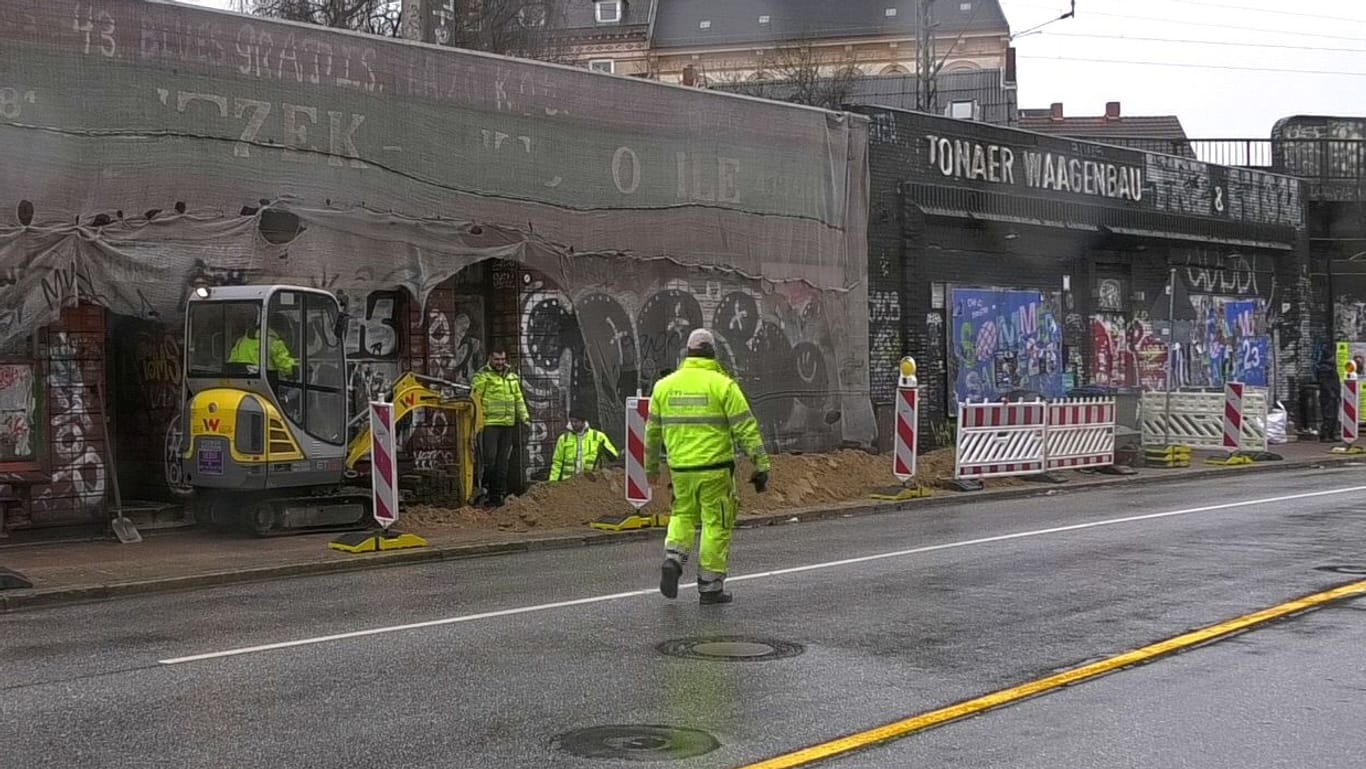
<point>412,392</point>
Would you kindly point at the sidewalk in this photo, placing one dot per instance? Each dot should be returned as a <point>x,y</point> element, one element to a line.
<point>69,572</point>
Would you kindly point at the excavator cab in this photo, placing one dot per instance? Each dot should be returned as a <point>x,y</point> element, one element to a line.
<point>265,417</point>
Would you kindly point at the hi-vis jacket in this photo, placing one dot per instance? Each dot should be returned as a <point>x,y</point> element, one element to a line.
<point>500,398</point>
<point>248,350</point>
<point>576,453</point>
<point>699,413</point>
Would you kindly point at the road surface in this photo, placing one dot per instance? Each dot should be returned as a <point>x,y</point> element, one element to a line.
<point>499,662</point>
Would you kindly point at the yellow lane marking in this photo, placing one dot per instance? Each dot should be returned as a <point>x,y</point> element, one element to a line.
<point>920,723</point>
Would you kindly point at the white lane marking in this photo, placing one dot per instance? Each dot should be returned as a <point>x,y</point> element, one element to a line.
<point>760,575</point>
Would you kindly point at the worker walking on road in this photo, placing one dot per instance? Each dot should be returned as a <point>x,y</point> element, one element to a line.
<point>698,414</point>
<point>499,393</point>
<point>579,450</point>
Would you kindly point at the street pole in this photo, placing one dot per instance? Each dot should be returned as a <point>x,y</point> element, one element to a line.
<point>1171,354</point>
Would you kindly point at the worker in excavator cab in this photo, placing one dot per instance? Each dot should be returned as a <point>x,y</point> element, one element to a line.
<point>248,349</point>
<point>580,449</point>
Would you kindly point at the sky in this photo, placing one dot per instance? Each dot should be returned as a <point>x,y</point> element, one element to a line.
<point>1228,68</point>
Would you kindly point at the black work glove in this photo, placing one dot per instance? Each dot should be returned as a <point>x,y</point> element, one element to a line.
<point>760,481</point>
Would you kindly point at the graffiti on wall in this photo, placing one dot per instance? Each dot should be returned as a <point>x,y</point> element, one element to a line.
<point>773,342</point>
<point>78,479</point>
<point>1003,341</point>
<point>1221,274</point>
<point>554,369</point>
<point>1331,151</point>
<point>1349,314</point>
<point>884,329</point>
<point>1225,342</point>
<point>1126,353</point>
<point>1191,188</point>
<point>455,348</point>
<point>18,407</point>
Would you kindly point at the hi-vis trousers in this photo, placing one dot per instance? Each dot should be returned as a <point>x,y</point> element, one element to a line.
<point>708,497</point>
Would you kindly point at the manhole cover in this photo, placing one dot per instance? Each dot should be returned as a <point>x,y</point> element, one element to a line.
<point>731,649</point>
<point>634,742</point>
<point>1343,569</point>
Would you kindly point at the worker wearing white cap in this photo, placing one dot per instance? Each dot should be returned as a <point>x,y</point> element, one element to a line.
<point>699,414</point>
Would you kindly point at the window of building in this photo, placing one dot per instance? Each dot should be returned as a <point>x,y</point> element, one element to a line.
<point>532,16</point>
<point>603,65</point>
<point>608,11</point>
<point>963,110</point>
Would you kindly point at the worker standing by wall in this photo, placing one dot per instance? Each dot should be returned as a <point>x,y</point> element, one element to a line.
<point>499,393</point>
<point>699,414</point>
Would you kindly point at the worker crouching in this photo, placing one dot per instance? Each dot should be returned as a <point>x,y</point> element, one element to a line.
<point>580,449</point>
<point>699,414</point>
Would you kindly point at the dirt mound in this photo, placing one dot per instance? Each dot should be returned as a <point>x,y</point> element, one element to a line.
<point>798,480</point>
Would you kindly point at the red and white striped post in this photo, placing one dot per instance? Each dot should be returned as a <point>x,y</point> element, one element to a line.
<point>638,491</point>
<point>1233,417</point>
<point>1349,415</point>
<point>907,416</point>
<point>383,475</point>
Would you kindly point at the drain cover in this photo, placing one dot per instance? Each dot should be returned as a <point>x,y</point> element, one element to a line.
<point>634,742</point>
<point>1352,569</point>
<point>731,649</point>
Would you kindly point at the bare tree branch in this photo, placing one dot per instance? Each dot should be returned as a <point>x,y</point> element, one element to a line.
<point>523,28</point>
<point>801,73</point>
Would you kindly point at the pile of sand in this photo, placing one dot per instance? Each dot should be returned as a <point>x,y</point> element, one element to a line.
<point>797,480</point>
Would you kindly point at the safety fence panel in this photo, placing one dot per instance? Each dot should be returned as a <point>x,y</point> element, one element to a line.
<point>996,440</point>
<point>1081,434</point>
<point>1196,419</point>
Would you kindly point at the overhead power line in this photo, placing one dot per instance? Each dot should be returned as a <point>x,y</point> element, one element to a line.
<point>1195,66</point>
<point>1176,22</point>
<point>1185,41</point>
<point>1245,9</point>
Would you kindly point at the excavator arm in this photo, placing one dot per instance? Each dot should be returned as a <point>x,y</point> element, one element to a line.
<point>412,392</point>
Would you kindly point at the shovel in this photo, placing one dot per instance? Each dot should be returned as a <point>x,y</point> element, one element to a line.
<point>123,528</point>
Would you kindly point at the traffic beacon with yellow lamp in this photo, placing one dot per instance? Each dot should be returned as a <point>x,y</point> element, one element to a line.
<point>906,436</point>
<point>1349,412</point>
<point>265,433</point>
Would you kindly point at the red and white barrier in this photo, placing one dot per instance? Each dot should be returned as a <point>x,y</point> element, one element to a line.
<point>383,476</point>
<point>1081,434</point>
<point>638,491</point>
<point>1000,439</point>
<point>1233,416</point>
<point>907,414</point>
<point>1349,414</point>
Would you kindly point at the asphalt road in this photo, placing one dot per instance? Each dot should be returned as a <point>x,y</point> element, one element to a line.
<point>894,615</point>
<point>1288,696</point>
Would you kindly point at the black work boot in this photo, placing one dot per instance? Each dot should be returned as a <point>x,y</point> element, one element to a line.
<point>668,577</point>
<point>714,597</point>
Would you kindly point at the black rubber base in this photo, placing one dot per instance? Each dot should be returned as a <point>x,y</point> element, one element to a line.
<point>13,580</point>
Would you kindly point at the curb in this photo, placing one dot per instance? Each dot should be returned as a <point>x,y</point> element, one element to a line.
<point>16,600</point>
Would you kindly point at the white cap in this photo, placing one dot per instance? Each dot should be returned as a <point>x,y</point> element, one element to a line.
<point>699,338</point>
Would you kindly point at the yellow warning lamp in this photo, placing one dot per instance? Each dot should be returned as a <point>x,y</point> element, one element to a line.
<point>1351,369</point>
<point>907,372</point>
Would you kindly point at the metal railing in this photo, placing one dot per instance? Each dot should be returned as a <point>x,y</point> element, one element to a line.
<point>1339,161</point>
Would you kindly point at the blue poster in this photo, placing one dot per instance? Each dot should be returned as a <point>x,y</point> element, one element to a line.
<point>1237,349</point>
<point>1004,341</point>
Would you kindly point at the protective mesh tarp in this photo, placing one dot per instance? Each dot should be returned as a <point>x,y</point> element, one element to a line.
<point>407,163</point>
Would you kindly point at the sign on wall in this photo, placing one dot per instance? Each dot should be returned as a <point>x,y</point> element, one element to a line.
<point>1004,341</point>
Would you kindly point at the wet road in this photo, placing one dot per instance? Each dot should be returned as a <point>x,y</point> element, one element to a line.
<point>1288,696</point>
<point>893,615</point>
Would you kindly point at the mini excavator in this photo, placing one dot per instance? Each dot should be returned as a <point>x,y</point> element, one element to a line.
<point>265,413</point>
